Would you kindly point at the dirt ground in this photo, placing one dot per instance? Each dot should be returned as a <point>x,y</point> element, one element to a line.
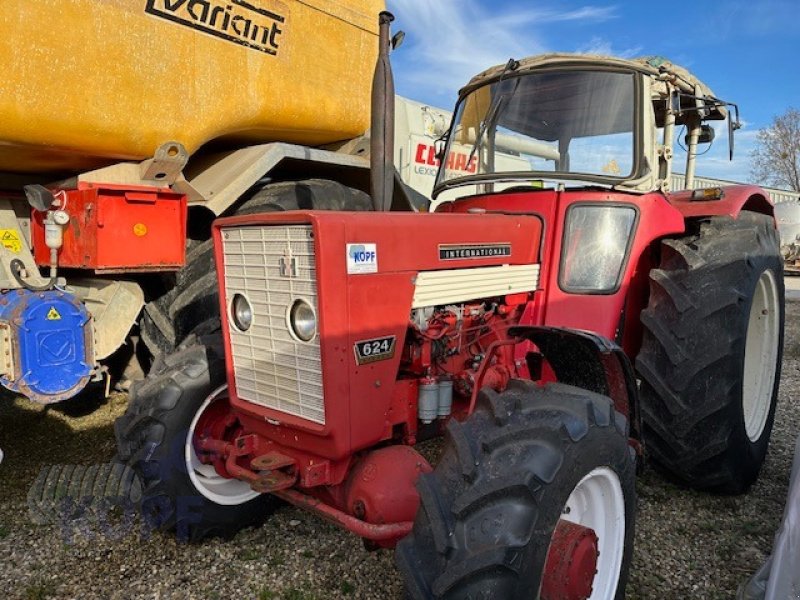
<point>688,544</point>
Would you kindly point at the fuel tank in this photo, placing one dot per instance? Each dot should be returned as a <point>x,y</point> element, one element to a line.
<point>89,82</point>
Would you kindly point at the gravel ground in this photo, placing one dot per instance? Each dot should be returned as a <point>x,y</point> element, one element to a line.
<point>688,545</point>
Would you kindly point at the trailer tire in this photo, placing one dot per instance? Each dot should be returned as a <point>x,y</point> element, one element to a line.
<point>191,305</point>
<point>711,352</point>
<point>507,475</point>
<point>154,437</point>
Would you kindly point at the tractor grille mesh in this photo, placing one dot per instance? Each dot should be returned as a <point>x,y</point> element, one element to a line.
<point>272,368</point>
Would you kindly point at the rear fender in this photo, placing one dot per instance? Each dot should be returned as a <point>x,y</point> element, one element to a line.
<point>589,361</point>
<point>735,199</point>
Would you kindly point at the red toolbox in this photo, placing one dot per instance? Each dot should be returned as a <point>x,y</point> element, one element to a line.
<point>116,229</point>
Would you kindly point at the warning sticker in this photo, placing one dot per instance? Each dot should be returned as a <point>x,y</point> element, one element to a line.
<point>11,240</point>
<point>52,314</point>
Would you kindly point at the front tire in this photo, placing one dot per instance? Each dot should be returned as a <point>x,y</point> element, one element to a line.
<point>156,438</point>
<point>525,459</point>
<point>711,352</point>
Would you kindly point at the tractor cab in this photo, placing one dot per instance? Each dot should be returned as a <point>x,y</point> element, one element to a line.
<point>595,121</point>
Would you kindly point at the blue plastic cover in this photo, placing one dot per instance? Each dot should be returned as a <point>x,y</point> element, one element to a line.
<point>51,354</point>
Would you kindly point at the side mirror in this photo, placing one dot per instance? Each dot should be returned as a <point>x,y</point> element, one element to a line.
<point>733,125</point>
<point>397,39</point>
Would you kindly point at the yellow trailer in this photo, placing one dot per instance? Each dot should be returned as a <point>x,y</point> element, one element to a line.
<point>88,82</point>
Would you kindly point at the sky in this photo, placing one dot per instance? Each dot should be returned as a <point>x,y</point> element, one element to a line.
<point>747,52</point>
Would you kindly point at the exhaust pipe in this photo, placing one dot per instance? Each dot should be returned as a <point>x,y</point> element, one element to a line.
<point>382,122</point>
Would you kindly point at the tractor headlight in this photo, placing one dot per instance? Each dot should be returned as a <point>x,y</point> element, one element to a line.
<point>241,312</point>
<point>303,320</point>
<point>596,242</point>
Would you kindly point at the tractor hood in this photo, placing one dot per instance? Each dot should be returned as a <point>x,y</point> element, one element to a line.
<point>351,280</point>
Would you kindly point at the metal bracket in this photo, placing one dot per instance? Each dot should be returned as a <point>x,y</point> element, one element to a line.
<point>271,478</point>
<point>166,165</point>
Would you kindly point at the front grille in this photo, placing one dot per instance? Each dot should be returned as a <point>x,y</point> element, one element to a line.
<point>271,367</point>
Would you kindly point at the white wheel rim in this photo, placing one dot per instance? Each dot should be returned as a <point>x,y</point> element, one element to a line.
<point>760,355</point>
<point>597,502</point>
<point>206,480</point>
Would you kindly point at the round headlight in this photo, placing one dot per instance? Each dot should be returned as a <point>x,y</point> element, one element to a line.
<point>241,312</point>
<point>303,320</point>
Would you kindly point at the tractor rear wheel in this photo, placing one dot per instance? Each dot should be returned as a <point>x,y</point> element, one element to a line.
<point>167,413</point>
<point>711,352</point>
<point>192,304</point>
<point>533,494</point>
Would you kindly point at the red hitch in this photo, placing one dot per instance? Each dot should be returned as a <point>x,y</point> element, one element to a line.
<point>377,501</point>
<point>571,563</point>
<point>273,471</point>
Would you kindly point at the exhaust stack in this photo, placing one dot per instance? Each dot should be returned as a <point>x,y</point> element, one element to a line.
<point>382,122</point>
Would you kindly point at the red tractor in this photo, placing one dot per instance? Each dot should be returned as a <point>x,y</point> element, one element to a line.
<point>562,313</point>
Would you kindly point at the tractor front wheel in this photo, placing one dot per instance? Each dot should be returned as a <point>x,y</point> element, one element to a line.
<point>533,497</point>
<point>167,414</point>
<point>711,352</point>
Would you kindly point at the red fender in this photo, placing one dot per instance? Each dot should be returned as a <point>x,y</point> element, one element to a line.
<point>735,199</point>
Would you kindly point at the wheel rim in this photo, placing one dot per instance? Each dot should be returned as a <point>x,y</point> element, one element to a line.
<point>206,480</point>
<point>597,502</point>
<point>760,355</point>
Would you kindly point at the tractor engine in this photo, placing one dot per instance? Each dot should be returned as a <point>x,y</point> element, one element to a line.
<point>446,346</point>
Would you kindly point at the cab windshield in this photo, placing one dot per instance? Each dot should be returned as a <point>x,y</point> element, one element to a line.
<point>569,124</point>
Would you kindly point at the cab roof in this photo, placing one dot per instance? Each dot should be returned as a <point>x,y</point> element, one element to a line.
<point>660,69</point>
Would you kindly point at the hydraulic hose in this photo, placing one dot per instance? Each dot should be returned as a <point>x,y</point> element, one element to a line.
<point>16,270</point>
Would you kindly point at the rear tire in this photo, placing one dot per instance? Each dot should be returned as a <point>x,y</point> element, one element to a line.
<point>192,304</point>
<point>154,437</point>
<point>508,474</point>
<point>711,352</point>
